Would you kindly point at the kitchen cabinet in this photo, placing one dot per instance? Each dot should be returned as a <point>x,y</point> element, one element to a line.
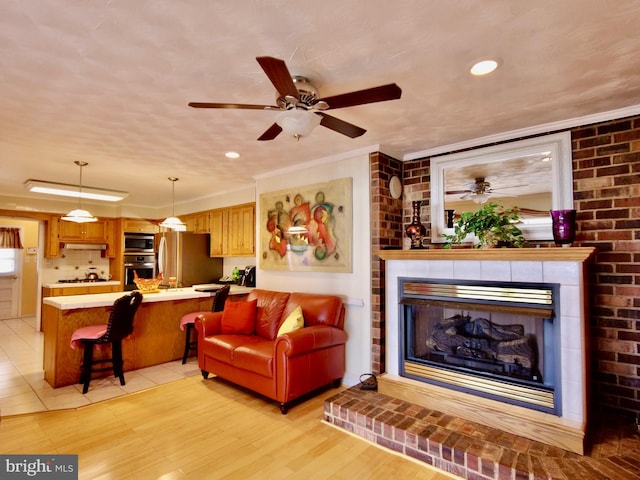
<point>136,225</point>
<point>233,231</point>
<point>242,230</point>
<point>51,242</point>
<point>58,230</point>
<point>218,229</point>
<point>197,222</point>
<point>89,232</point>
<point>81,290</point>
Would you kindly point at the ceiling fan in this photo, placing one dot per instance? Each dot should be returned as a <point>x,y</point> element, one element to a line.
<point>480,191</point>
<point>300,105</point>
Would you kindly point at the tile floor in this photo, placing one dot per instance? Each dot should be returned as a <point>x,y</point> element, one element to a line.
<point>23,388</point>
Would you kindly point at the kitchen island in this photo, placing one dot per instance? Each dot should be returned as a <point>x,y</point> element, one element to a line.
<point>156,337</point>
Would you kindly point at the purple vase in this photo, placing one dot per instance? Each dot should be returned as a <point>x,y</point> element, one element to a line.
<point>564,226</point>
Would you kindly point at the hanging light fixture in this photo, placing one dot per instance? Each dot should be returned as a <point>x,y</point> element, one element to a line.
<point>79,215</point>
<point>298,122</point>
<point>173,222</point>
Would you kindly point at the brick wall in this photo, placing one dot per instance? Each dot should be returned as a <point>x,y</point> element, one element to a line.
<point>386,231</point>
<point>606,177</point>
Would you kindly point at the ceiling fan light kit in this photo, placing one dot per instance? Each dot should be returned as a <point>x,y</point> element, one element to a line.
<point>297,122</point>
<point>301,108</point>
<point>79,215</point>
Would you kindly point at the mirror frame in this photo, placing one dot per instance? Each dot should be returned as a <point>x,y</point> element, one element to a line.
<point>558,144</point>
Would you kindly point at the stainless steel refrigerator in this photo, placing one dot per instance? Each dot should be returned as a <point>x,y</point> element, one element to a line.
<point>186,256</point>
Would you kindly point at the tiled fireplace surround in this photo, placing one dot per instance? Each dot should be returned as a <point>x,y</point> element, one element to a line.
<point>566,267</point>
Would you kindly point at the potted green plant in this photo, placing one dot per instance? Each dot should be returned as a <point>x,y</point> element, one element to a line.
<point>492,226</point>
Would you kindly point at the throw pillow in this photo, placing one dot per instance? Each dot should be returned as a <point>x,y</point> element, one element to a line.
<point>239,318</point>
<point>294,321</point>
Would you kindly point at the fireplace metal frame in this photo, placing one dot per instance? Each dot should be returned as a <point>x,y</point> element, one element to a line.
<point>543,302</point>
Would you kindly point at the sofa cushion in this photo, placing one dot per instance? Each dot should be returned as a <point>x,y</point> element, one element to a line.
<point>318,309</point>
<point>239,318</point>
<point>256,356</point>
<point>221,347</point>
<point>271,304</point>
<point>294,321</point>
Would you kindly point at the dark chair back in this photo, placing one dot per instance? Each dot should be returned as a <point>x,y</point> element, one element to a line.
<point>220,298</point>
<point>121,319</point>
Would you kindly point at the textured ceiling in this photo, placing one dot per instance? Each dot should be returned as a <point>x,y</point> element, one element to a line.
<point>108,81</point>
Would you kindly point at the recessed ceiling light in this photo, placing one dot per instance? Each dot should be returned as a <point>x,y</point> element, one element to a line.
<point>232,154</point>
<point>484,67</point>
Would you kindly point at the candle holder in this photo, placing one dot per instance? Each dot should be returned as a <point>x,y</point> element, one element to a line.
<point>563,226</point>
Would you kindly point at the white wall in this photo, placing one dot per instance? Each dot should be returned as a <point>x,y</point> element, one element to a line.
<point>353,287</point>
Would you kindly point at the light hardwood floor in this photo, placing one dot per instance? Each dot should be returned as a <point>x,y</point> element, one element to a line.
<point>197,429</point>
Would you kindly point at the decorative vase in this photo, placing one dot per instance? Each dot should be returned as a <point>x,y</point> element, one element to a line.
<point>450,215</point>
<point>415,230</point>
<point>564,226</point>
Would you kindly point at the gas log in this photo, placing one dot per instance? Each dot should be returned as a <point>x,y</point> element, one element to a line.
<point>481,339</point>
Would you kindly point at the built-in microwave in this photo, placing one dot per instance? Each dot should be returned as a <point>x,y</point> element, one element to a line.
<point>138,243</point>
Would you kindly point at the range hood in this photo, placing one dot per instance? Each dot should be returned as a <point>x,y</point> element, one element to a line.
<point>84,246</point>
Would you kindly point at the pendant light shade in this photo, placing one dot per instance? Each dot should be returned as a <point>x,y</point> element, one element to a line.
<point>79,215</point>
<point>173,222</point>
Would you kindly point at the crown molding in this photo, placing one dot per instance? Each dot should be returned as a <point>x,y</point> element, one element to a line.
<point>526,132</point>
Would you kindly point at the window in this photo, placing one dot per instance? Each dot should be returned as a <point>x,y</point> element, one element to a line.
<point>8,261</point>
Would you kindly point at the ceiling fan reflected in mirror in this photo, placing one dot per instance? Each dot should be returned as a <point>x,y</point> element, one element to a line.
<point>300,106</point>
<point>479,191</point>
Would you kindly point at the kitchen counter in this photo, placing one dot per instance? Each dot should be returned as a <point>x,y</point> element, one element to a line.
<point>106,299</point>
<point>79,284</point>
<point>156,336</point>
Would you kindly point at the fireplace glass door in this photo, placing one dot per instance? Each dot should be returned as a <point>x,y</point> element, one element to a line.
<point>489,345</point>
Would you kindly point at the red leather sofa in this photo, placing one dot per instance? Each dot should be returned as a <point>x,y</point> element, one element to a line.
<point>281,367</point>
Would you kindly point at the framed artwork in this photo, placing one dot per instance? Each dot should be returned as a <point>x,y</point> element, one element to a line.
<point>307,228</point>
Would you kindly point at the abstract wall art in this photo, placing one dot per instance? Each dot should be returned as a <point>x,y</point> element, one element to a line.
<point>307,228</point>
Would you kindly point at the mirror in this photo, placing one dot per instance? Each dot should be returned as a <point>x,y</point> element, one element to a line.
<point>535,175</point>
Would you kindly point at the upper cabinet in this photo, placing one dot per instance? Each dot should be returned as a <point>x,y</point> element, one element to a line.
<point>218,228</point>
<point>61,231</point>
<point>89,232</point>
<point>242,230</point>
<point>137,225</point>
<point>233,231</point>
<point>197,222</point>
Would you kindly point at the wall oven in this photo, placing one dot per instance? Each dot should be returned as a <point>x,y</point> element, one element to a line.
<point>144,265</point>
<point>139,243</point>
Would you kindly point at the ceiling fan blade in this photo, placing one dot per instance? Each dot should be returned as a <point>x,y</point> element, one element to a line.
<point>340,126</point>
<point>368,95</point>
<point>233,105</point>
<point>279,75</point>
<point>457,192</point>
<point>272,132</point>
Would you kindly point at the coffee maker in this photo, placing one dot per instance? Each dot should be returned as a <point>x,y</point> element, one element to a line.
<point>247,276</point>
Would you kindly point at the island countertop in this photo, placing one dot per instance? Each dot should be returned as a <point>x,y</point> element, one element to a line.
<point>156,338</point>
<point>94,300</point>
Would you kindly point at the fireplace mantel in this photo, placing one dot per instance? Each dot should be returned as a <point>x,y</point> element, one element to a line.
<point>572,254</point>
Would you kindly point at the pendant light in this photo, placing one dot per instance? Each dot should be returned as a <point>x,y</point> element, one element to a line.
<point>79,215</point>
<point>173,222</point>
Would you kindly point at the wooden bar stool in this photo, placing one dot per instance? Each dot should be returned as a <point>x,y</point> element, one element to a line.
<point>187,322</point>
<point>120,326</point>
